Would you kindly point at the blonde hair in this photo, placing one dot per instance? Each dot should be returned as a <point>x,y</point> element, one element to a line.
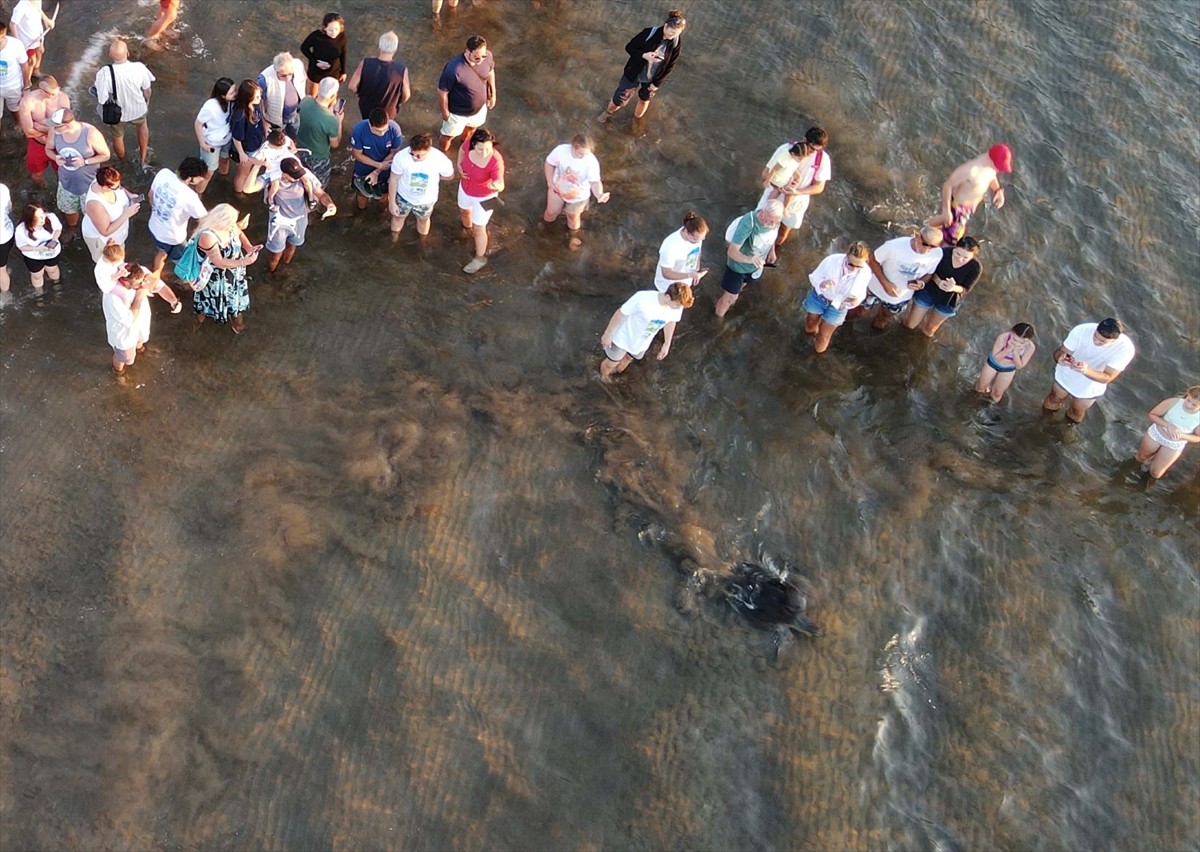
<point>223,217</point>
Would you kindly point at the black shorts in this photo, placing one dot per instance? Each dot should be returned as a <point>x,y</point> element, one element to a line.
<point>35,266</point>
<point>733,281</point>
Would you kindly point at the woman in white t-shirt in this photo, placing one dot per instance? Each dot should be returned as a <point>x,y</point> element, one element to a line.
<point>679,254</point>
<point>107,209</point>
<point>213,131</point>
<point>637,322</point>
<point>7,232</point>
<point>572,174</point>
<point>37,240</point>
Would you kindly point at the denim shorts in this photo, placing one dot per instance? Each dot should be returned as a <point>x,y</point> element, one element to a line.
<point>924,299</point>
<point>174,252</point>
<point>212,159</point>
<point>815,303</point>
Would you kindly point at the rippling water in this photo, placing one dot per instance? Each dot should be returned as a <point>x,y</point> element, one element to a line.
<point>393,570</point>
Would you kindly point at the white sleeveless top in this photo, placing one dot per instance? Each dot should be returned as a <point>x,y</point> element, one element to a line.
<point>114,208</point>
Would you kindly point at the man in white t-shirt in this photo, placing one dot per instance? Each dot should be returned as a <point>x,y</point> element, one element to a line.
<point>133,94</point>
<point>900,267</point>
<point>173,201</point>
<point>13,61</point>
<point>1089,360</point>
<point>636,323</point>
<point>30,24</point>
<point>679,254</point>
<point>413,185</point>
<point>572,174</point>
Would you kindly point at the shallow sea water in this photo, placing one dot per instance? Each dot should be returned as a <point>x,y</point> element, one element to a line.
<point>392,569</point>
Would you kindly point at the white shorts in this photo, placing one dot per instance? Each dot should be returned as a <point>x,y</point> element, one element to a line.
<point>456,124</point>
<point>1162,439</point>
<point>481,211</point>
<point>12,100</point>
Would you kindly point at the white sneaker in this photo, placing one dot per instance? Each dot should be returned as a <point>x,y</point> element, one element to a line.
<point>476,264</point>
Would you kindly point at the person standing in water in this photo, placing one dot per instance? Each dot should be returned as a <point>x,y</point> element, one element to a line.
<point>1174,423</point>
<point>1011,351</point>
<point>636,323</point>
<point>572,175</point>
<point>966,187</point>
<point>795,173</point>
<point>1089,360</point>
<point>652,54</point>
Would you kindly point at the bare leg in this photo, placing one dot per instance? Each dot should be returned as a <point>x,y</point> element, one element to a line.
<point>824,335</point>
<point>725,302</point>
<point>914,315</point>
<point>119,143</point>
<point>1054,399</point>
<point>883,317</point>
<point>1078,408</point>
<point>610,368</point>
<point>143,140</point>
<point>933,322</point>
<point>1000,384</point>
<point>1163,460</point>
<point>987,375</point>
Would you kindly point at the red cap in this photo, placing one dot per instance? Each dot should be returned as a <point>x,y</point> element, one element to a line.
<point>1001,157</point>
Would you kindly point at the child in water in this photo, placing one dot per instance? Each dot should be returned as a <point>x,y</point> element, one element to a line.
<point>1011,351</point>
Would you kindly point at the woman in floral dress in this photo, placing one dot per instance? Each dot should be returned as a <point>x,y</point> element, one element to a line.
<point>223,247</point>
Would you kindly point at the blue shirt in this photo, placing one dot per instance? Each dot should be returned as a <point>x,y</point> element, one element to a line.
<point>375,147</point>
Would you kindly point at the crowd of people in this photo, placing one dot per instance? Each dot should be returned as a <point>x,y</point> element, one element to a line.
<point>279,128</point>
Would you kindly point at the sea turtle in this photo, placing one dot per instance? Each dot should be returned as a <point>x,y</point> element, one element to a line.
<point>766,597</point>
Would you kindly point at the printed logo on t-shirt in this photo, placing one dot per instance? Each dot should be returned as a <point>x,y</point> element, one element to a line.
<point>418,182</point>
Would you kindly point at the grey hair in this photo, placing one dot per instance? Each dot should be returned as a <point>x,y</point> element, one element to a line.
<point>388,42</point>
<point>281,61</point>
<point>327,88</point>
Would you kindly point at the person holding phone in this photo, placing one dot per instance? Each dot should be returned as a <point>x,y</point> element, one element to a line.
<point>321,129</point>
<point>226,252</point>
<point>107,209</point>
<point>37,240</point>
<point>1089,360</point>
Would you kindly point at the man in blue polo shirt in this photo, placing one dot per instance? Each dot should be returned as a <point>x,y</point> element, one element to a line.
<point>373,143</point>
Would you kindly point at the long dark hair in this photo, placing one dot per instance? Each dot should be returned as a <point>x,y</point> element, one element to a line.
<point>221,88</point>
<point>245,95</point>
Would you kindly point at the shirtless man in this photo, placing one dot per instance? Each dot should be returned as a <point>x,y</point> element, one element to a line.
<point>34,114</point>
<point>966,187</point>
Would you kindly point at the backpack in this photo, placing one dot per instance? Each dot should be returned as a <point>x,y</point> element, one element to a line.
<point>110,110</point>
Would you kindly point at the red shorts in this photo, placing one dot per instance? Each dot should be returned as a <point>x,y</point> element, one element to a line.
<point>35,158</point>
